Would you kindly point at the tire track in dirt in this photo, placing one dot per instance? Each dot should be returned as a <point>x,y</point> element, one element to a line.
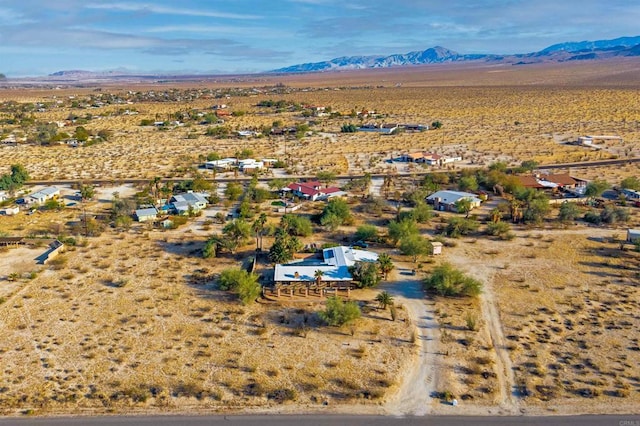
<point>417,384</point>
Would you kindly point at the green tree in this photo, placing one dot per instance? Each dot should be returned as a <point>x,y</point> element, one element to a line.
<point>365,274</point>
<point>535,204</point>
<point>338,312</point>
<point>501,230</point>
<point>463,205</point>
<point>236,233</point>
<point>568,212</point>
<point>366,233</point>
<point>528,165</point>
<point>297,225</point>
<point>213,156</point>
<point>335,213</point>
<point>468,183</point>
<point>631,182</point>
<point>415,246</point>
<point>318,274</point>
<point>326,176</point>
<point>596,187</point>
<point>210,248</point>
<point>349,128</point>
<point>81,134</point>
<point>87,192</point>
<point>385,264</point>
<point>258,228</point>
<point>233,191</point>
<point>19,174</point>
<point>401,229</point>
<point>422,212</point>
<point>458,226</point>
<point>436,125</point>
<point>445,280</point>
<point>241,282</point>
<point>284,246</point>
<point>384,299</point>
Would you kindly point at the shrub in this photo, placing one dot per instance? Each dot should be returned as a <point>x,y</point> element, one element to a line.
<point>448,281</point>
<point>338,312</point>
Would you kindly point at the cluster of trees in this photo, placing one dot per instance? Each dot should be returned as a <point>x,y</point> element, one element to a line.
<point>404,231</point>
<point>14,180</point>
<point>336,213</point>
<point>234,234</point>
<point>286,242</point>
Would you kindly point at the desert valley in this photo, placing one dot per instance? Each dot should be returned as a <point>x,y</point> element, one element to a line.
<point>442,239</point>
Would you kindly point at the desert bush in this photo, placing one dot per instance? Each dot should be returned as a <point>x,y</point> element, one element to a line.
<point>338,312</point>
<point>448,281</point>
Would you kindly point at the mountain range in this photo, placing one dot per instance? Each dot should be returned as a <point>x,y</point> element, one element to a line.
<point>569,51</point>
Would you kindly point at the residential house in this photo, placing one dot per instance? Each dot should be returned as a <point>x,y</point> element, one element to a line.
<point>385,129</point>
<point>554,182</point>
<point>145,215</point>
<point>446,200</point>
<point>633,235</point>
<point>269,162</point>
<point>429,158</point>
<point>9,211</point>
<point>223,164</point>
<point>334,266</point>
<point>414,127</point>
<point>250,165</point>
<point>189,201</point>
<point>313,190</point>
<point>280,131</point>
<point>42,196</point>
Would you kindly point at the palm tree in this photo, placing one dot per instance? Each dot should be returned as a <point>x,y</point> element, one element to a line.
<point>384,299</point>
<point>385,264</point>
<point>258,229</point>
<point>318,276</point>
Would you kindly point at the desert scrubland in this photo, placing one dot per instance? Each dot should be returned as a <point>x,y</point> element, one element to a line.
<point>131,320</point>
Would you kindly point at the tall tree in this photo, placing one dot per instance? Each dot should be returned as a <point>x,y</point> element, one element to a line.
<point>415,246</point>
<point>258,228</point>
<point>385,264</point>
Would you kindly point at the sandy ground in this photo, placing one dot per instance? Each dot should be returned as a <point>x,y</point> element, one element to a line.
<point>414,396</point>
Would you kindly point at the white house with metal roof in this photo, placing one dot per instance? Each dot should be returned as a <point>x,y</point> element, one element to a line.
<point>334,265</point>
<point>41,196</point>
<point>189,200</point>
<point>145,215</point>
<point>446,200</point>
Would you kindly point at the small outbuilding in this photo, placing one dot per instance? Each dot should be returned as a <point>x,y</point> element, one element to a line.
<point>633,235</point>
<point>437,247</point>
<point>145,215</point>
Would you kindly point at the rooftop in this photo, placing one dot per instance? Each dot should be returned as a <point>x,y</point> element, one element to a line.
<point>335,267</point>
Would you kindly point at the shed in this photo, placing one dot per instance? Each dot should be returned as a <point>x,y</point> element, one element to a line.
<point>437,247</point>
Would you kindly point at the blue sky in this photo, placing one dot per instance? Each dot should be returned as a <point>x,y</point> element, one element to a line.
<point>38,37</point>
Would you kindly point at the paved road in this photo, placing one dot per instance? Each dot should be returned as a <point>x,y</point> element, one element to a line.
<point>327,420</point>
<point>294,177</point>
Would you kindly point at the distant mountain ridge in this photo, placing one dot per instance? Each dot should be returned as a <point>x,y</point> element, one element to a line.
<point>568,51</point>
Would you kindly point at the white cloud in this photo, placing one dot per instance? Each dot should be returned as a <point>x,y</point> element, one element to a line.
<point>164,10</point>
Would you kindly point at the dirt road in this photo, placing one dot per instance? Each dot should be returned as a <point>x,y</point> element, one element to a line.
<point>417,383</point>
